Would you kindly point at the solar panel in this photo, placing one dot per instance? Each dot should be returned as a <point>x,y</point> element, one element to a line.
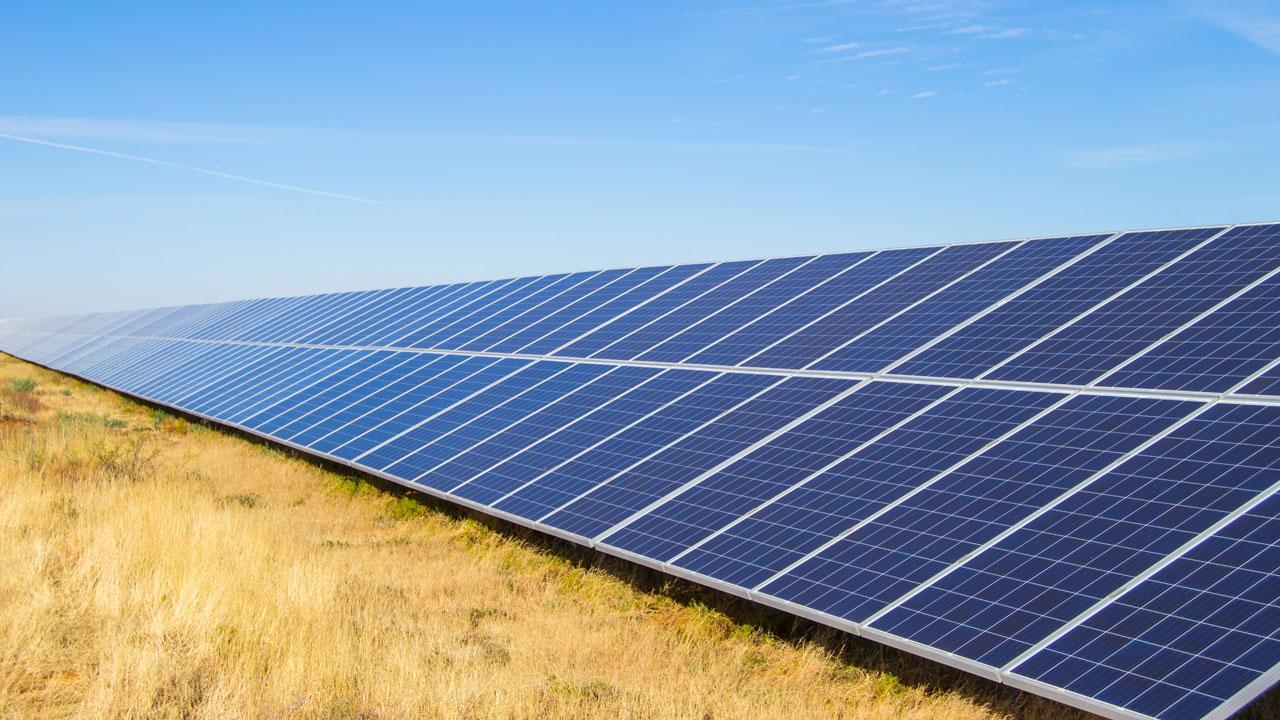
<point>1051,462</point>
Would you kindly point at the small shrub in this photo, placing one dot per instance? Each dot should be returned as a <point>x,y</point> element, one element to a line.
<point>132,461</point>
<point>248,500</point>
<point>21,393</point>
<point>404,508</point>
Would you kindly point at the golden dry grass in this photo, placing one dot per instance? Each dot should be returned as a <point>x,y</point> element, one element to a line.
<point>150,567</point>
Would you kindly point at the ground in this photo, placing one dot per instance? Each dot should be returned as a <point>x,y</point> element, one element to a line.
<point>155,567</point>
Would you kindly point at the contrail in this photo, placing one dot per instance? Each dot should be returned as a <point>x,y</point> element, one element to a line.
<point>215,173</point>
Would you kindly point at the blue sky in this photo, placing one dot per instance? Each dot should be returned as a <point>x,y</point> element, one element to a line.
<point>503,138</point>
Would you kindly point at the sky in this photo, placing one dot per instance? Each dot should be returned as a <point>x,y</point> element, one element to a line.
<point>159,153</point>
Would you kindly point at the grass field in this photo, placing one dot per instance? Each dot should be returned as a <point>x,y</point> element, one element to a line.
<point>157,568</point>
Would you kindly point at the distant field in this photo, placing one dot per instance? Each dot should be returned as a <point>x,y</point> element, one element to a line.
<point>154,568</point>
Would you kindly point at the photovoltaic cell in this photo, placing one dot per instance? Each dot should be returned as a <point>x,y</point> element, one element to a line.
<point>810,306</point>
<point>1188,639</point>
<point>672,527</point>
<point>918,325</point>
<point>554,471</point>
<point>1018,323</point>
<point>815,341</point>
<point>639,316</point>
<point>465,474</point>
<point>698,452</point>
<point>657,283</point>
<point>728,319</point>
<point>1158,306</point>
<point>991,616</point>
<point>1216,353</point>
<point>1085,548</point>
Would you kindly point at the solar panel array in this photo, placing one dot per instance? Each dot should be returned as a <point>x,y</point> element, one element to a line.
<point>1052,462</point>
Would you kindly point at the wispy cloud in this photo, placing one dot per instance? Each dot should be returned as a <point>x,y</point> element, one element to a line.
<point>868,54</point>
<point>922,95</point>
<point>1013,32</point>
<point>882,53</point>
<point>188,168</point>
<point>997,83</point>
<point>1258,26</point>
<point>1131,156</point>
<point>968,30</point>
<point>840,48</point>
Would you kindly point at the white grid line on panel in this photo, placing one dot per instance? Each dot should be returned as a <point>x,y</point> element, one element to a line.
<point>999,303</point>
<point>1041,510</point>
<point>913,492</point>
<point>687,485</point>
<point>1103,303</point>
<point>842,305</point>
<point>909,307</point>
<point>763,316</point>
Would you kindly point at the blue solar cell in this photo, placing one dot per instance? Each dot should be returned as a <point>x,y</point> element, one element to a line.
<point>1188,639</point>
<point>401,325</point>
<point>384,401</point>
<point>132,361</point>
<point>511,295</point>
<point>656,342</point>
<point>874,562</point>
<point>1082,351</point>
<point>436,395</point>
<point>261,369</point>
<point>285,385</point>
<point>533,301</point>
<point>237,312</point>
<point>897,337</point>
<point>468,469</point>
<point>634,318</point>
<point>725,496</point>
<point>404,456</point>
<point>120,358</point>
<point>601,289</point>
<point>1062,562</point>
<point>346,391</point>
<point>576,386</point>
<point>653,283</point>
<point>648,436</point>
<point>1216,353</point>
<point>726,320</point>
<point>799,522</point>
<point>359,312</point>
<point>369,315</point>
<point>239,363</point>
<point>515,481</point>
<point>553,313</point>
<point>299,312</point>
<point>319,398</point>
<point>815,341</point>
<point>1267,383</point>
<point>421,332</point>
<point>810,306</point>
<point>1018,323</point>
<point>628,492</point>
<point>974,614</point>
<point>304,316</point>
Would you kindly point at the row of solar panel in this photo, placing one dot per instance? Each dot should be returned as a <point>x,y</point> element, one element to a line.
<point>1176,310</point>
<point>1121,548</point>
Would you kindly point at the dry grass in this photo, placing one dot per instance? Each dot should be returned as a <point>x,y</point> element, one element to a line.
<point>156,568</point>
